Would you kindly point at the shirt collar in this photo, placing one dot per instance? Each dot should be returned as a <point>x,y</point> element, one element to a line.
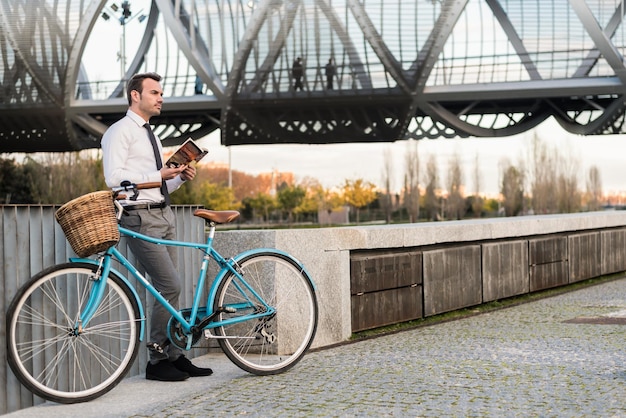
<point>136,118</point>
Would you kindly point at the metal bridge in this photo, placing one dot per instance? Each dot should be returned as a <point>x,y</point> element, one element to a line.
<point>402,68</point>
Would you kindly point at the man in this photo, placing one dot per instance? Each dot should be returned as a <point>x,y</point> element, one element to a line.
<point>297,72</point>
<point>330,73</point>
<point>131,152</point>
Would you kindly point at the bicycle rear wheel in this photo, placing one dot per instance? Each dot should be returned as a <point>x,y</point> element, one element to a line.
<point>54,359</point>
<point>269,344</point>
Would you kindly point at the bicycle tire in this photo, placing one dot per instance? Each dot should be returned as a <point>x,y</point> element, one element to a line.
<point>52,360</point>
<point>276,343</point>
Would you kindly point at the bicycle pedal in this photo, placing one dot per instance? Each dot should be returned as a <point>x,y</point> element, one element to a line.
<point>228,309</point>
<point>155,347</point>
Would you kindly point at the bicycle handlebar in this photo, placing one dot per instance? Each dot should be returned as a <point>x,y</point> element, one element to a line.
<point>127,186</point>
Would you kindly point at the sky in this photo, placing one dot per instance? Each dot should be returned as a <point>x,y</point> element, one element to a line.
<point>334,163</point>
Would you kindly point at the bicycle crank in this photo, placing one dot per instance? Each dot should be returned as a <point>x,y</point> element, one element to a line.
<point>177,334</point>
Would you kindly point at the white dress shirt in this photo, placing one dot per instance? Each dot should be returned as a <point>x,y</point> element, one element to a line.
<point>127,155</point>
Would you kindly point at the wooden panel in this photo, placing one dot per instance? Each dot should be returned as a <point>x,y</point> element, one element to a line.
<point>547,250</point>
<point>613,249</point>
<point>505,269</point>
<point>545,276</point>
<point>452,279</point>
<point>377,309</point>
<point>375,271</point>
<point>584,256</point>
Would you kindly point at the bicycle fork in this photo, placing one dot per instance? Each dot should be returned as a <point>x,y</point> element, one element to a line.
<point>96,293</point>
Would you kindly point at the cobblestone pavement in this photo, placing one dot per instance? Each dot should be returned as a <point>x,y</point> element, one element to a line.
<point>563,356</point>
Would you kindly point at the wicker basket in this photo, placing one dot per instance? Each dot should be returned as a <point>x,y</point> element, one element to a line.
<point>89,223</point>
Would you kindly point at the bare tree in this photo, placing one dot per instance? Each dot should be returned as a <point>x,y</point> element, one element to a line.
<point>387,202</point>
<point>431,181</point>
<point>594,189</point>
<point>568,194</point>
<point>543,177</point>
<point>455,207</point>
<point>411,182</point>
<point>478,202</point>
<point>512,188</point>
<point>60,177</point>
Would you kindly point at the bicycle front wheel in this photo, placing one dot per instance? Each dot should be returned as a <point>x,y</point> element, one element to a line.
<point>55,356</point>
<point>273,343</point>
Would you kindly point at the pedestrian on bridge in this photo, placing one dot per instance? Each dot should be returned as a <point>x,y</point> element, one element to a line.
<point>297,72</point>
<point>330,74</point>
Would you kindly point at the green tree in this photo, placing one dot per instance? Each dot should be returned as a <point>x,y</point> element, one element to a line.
<point>187,194</point>
<point>216,197</point>
<point>15,184</point>
<point>289,198</point>
<point>358,193</point>
<point>491,205</point>
<point>308,206</point>
<point>327,199</point>
<point>262,205</point>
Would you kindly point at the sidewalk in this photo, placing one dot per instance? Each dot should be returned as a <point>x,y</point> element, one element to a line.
<point>563,356</point>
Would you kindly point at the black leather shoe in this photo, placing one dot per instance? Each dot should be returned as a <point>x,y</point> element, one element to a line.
<point>183,364</point>
<point>165,371</point>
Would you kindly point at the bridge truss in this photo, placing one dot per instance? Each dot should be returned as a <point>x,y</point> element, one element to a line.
<point>403,69</point>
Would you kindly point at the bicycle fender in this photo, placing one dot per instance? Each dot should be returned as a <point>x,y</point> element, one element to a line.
<point>284,254</point>
<point>132,289</point>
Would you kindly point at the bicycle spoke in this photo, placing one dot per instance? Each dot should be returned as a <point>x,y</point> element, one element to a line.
<point>55,360</point>
<point>265,344</point>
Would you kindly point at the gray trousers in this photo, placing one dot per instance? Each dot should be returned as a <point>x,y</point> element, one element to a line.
<point>159,261</point>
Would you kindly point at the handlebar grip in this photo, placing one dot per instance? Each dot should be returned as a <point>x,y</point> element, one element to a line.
<point>128,186</point>
<point>153,185</point>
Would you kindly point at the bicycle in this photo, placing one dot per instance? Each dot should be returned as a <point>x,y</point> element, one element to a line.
<point>74,329</point>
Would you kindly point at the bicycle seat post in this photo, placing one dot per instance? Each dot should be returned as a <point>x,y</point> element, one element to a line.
<point>211,230</point>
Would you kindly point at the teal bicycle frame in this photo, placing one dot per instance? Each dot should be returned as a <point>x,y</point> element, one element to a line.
<point>227,266</point>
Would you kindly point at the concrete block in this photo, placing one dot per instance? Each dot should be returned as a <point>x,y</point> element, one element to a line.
<point>505,269</point>
<point>328,267</point>
<point>452,279</point>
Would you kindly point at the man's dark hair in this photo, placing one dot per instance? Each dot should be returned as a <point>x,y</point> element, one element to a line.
<point>136,83</point>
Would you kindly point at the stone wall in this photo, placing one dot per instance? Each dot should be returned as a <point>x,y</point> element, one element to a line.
<point>370,276</point>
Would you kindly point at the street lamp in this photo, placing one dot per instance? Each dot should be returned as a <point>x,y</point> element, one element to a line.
<point>124,15</point>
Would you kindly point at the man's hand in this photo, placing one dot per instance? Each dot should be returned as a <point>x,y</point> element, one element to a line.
<point>171,172</point>
<point>188,173</point>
